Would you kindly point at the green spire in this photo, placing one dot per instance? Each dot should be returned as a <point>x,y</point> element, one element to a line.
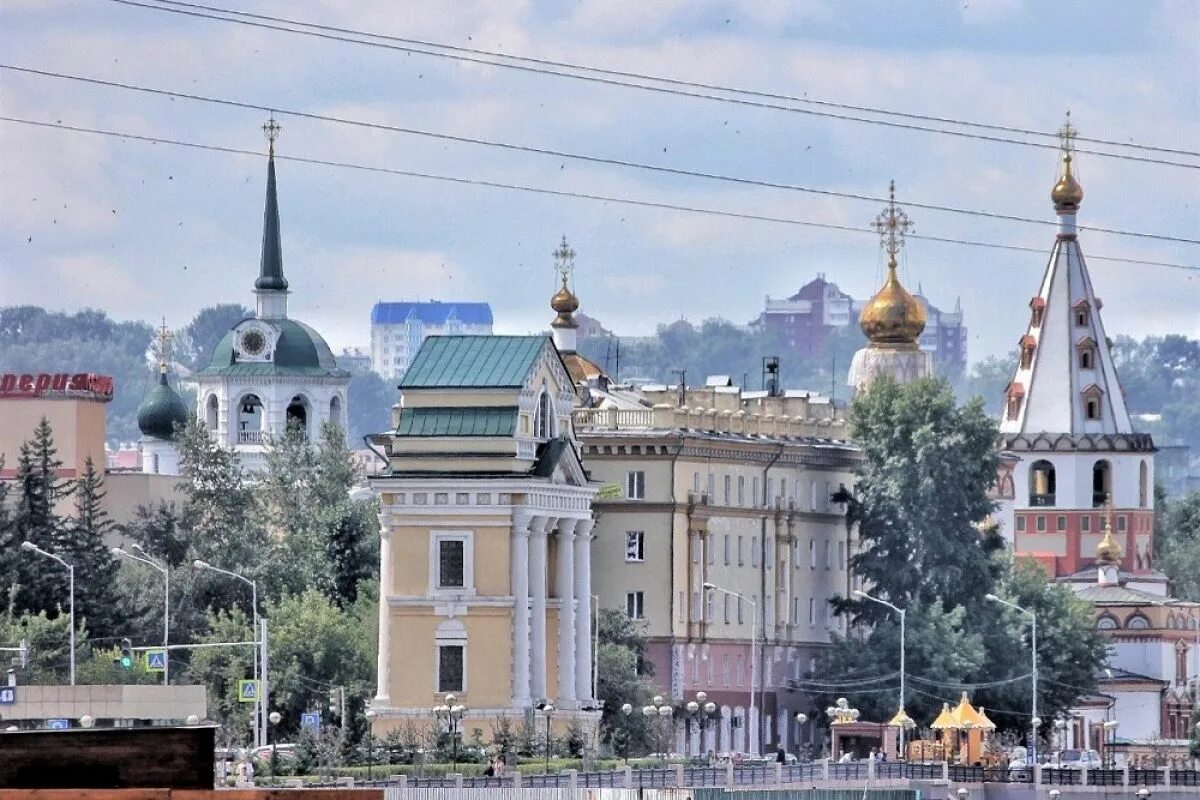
<point>270,274</point>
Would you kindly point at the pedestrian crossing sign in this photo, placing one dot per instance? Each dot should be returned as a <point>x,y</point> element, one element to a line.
<point>247,691</point>
<point>156,660</point>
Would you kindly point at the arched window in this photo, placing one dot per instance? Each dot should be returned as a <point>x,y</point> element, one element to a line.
<point>1137,622</point>
<point>1106,623</point>
<point>210,412</point>
<point>297,416</point>
<point>543,423</point>
<point>250,418</point>
<point>1041,484</point>
<point>1101,483</point>
<point>335,411</point>
<point>1143,484</point>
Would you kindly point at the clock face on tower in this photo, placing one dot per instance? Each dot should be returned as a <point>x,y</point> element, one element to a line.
<point>254,341</point>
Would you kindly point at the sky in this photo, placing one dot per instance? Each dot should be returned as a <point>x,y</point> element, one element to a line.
<point>146,230</point>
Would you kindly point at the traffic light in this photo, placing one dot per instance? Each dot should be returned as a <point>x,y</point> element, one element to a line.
<point>126,659</point>
<point>335,702</point>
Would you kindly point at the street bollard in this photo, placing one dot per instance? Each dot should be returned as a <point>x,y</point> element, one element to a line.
<point>1083,777</point>
<point>946,770</point>
<point>1125,776</point>
<point>679,776</point>
<point>825,770</point>
<point>778,774</point>
<point>403,782</point>
<point>516,778</point>
<point>458,780</point>
<point>729,774</point>
<point>572,778</point>
<point>1037,774</point>
<point>628,777</point>
<point>1166,776</point>
<point>871,768</point>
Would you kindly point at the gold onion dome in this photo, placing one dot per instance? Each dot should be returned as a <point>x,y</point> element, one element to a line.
<point>564,303</point>
<point>1108,551</point>
<point>893,316</point>
<point>1067,194</point>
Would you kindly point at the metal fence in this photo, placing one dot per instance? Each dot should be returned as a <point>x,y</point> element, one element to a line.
<point>764,775</point>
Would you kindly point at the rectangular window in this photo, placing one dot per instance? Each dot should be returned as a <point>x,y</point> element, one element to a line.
<point>712,487</point>
<point>841,555</point>
<point>1041,523</point>
<point>635,485</point>
<point>825,498</point>
<point>783,490</point>
<point>450,668</point>
<point>709,616</point>
<point>812,553</point>
<point>1062,522</point>
<point>812,611</point>
<point>828,556</point>
<point>727,549</point>
<point>741,672</point>
<point>635,546</point>
<point>754,493</point>
<point>1121,524</point>
<point>681,605</point>
<point>739,609</point>
<point>728,489</point>
<point>451,563</point>
<point>726,605</point>
<point>741,491</point>
<point>795,620</point>
<point>754,551</point>
<point>770,491</point>
<point>696,482</point>
<point>708,547</point>
<point>1021,524</point>
<point>725,670</point>
<point>635,605</point>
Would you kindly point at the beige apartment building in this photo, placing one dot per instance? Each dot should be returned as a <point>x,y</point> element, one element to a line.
<point>731,490</point>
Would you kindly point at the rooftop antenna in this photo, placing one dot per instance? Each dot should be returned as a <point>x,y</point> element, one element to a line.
<point>682,373</point>
<point>770,375</point>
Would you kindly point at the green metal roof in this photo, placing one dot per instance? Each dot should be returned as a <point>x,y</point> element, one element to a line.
<point>162,411</point>
<point>300,350</point>
<point>473,362</point>
<point>467,421</point>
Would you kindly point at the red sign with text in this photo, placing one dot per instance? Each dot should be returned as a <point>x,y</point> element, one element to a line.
<point>56,384</point>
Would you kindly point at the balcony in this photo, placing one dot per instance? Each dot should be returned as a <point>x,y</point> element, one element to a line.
<point>250,437</point>
<point>1041,500</point>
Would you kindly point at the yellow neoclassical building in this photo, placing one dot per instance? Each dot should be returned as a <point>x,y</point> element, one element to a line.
<point>486,531</point>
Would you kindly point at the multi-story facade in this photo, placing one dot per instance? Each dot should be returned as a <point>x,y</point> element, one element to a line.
<point>398,329</point>
<point>944,337</point>
<point>804,321</point>
<point>732,493</point>
<point>485,539</point>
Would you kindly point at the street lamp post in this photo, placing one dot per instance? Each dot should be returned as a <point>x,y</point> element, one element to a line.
<point>451,712</point>
<point>662,709</point>
<point>275,718</point>
<point>801,718</point>
<point>755,731</point>
<point>901,717</point>
<point>702,709</point>
<point>33,548</point>
<point>370,714</point>
<point>626,710</point>
<point>840,713</point>
<point>548,710</point>
<point>1035,721</point>
<point>260,703</point>
<point>144,558</point>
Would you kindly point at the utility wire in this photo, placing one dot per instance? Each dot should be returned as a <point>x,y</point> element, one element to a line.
<point>563,154</point>
<point>643,86</point>
<point>565,193</point>
<point>673,81</point>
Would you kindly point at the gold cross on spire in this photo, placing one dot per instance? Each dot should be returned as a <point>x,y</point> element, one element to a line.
<point>564,261</point>
<point>271,129</point>
<point>1067,134</point>
<point>892,225</point>
<point>164,345</point>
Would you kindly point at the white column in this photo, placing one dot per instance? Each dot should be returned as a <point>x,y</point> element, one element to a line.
<point>383,663</point>
<point>583,609</point>
<point>519,567</point>
<point>537,595</point>
<point>567,611</point>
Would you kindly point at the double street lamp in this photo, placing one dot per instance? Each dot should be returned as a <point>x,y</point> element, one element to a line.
<point>33,548</point>
<point>1110,741</point>
<point>451,713</point>
<point>143,557</point>
<point>661,709</point>
<point>1036,721</point>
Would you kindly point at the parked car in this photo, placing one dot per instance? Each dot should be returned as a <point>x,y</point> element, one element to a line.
<point>1077,759</point>
<point>284,752</point>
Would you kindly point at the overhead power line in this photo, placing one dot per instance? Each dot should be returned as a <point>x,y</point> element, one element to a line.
<point>675,81</point>
<point>325,32</point>
<point>593,159</point>
<point>562,193</point>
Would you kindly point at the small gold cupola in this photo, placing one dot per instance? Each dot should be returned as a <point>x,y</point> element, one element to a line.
<point>1067,194</point>
<point>893,318</point>
<point>1108,551</point>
